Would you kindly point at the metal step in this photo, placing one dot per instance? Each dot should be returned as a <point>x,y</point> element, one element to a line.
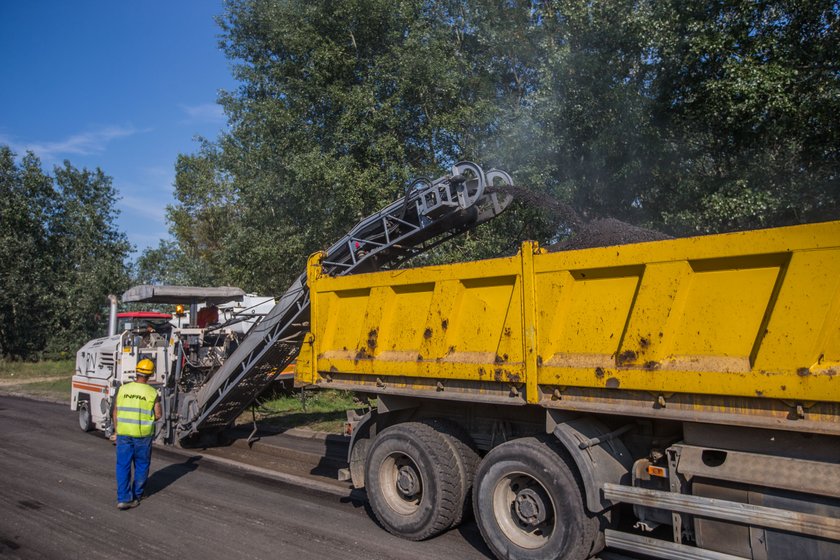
<point>657,548</point>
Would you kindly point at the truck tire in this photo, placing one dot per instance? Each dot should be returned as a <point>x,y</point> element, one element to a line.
<point>528,503</point>
<point>467,459</point>
<point>412,481</point>
<point>85,420</point>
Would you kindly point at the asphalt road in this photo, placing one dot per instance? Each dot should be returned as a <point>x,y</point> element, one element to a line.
<point>58,500</point>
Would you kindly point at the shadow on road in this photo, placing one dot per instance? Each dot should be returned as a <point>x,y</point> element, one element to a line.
<point>162,478</point>
<point>469,530</point>
<point>334,457</point>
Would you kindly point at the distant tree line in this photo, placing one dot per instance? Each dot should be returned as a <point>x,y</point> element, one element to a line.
<point>687,117</point>
<point>61,253</point>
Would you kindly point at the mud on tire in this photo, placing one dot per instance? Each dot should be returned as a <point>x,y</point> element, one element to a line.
<point>467,459</point>
<point>529,505</point>
<point>413,482</point>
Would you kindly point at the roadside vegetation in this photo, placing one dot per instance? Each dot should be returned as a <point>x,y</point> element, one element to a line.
<point>322,410</point>
<point>17,370</point>
<point>45,379</point>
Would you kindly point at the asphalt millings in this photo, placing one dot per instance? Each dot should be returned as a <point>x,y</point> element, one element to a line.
<point>605,232</point>
<point>602,232</point>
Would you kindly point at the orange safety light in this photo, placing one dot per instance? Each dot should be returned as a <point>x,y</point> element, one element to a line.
<point>661,472</point>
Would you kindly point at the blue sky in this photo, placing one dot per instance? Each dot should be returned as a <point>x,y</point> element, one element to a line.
<point>123,86</point>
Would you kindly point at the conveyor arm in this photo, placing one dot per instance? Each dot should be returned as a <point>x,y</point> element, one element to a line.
<point>430,213</point>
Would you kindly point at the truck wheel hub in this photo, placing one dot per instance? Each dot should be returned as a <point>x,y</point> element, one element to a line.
<point>530,506</point>
<point>407,481</point>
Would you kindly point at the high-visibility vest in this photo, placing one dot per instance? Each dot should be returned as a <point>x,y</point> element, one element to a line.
<point>136,410</point>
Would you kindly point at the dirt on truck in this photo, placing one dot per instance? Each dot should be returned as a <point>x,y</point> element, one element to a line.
<point>689,384</point>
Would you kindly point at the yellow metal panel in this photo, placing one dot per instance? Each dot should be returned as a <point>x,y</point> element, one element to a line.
<point>403,318</point>
<point>590,316</point>
<point>721,314</point>
<point>751,315</point>
<point>789,386</point>
<point>803,331</point>
<point>529,322</point>
<point>344,315</point>
<point>462,320</point>
<point>423,369</point>
<point>656,312</point>
<point>479,320</point>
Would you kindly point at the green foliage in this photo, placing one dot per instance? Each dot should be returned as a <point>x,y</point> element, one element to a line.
<point>685,116</point>
<point>752,93</point>
<point>60,256</point>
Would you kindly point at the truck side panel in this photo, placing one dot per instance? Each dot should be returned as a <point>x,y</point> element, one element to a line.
<point>741,327</point>
<point>458,325</point>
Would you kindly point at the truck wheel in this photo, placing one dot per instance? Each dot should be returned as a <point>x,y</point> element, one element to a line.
<point>467,459</point>
<point>85,421</point>
<point>412,481</point>
<point>528,503</point>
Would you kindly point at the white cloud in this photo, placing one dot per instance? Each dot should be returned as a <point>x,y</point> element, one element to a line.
<point>204,112</point>
<point>143,241</point>
<point>84,143</point>
<point>150,207</point>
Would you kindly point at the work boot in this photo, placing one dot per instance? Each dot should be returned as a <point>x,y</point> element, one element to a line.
<point>128,505</point>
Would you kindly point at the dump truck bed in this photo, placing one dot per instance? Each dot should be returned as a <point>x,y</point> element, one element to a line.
<point>740,328</point>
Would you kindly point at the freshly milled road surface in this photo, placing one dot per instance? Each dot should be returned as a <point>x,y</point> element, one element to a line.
<point>58,500</point>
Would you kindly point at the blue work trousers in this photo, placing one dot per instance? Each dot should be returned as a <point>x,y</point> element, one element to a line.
<point>136,451</point>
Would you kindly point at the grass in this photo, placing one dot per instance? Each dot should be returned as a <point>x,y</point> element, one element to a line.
<point>12,371</point>
<point>53,389</point>
<point>46,379</point>
<point>322,410</point>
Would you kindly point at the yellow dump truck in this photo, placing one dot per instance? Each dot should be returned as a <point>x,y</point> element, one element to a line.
<point>692,385</point>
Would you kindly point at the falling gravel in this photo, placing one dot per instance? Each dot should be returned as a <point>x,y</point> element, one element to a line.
<point>560,213</point>
<point>606,232</point>
<point>602,232</point>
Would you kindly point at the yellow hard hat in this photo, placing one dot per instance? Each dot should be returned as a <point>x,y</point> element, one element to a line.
<point>145,367</point>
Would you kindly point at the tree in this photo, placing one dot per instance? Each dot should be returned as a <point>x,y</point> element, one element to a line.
<point>341,103</point>
<point>60,255</point>
<point>688,117</point>
<point>89,254</point>
<point>27,201</point>
<point>748,93</point>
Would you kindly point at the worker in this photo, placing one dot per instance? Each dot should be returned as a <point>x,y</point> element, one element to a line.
<point>138,406</point>
<point>148,335</point>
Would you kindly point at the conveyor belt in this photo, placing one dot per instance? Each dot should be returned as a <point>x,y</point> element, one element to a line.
<point>430,213</point>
